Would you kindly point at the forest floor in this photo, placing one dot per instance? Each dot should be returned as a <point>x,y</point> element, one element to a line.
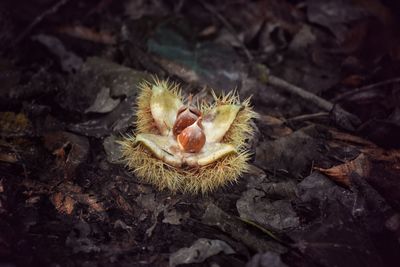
<point>323,188</point>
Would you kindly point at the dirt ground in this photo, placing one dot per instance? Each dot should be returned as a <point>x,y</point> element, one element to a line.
<point>323,188</point>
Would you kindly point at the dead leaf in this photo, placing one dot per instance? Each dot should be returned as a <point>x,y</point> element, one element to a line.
<point>273,126</point>
<point>291,154</point>
<point>174,217</point>
<point>91,201</point>
<point>8,157</point>
<point>341,173</point>
<point>14,124</point>
<point>238,230</point>
<point>63,203</point>
<point>350,139</point>
<point>103,102</point>
<point>270,259</point>
<point>277,215</point>
<point>70,150</point>
<point>122,203</point>
<point>64,196</point>
<point>200,250</point>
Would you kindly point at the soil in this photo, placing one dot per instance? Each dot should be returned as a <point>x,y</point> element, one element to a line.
<point>323,187</point>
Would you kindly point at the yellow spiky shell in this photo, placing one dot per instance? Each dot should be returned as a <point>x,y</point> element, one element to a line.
<point>189,180</point>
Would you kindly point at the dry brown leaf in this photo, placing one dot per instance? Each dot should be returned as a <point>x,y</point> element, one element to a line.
<point>70,150</point>
<point>349,138</point>
<point>122,202</point>
<point>391,157</point>
<point>63,203</point>
<point>91,201</point>
<point>276,127</point>
<point>341,173</point>
<point>66,196</point>
<point>8,157</point>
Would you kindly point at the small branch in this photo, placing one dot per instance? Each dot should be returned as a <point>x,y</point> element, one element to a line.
<point>365,88</point>
<point>320,102</point>
<point>308,116</point>
<point>340,116</point>
<point>38,19</point>
<point>229,27</point>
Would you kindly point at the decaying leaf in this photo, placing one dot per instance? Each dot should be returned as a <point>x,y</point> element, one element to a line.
<point>267,259</point>
<point>276,215</point>
<point>341,173</point>
<point>14,124</point>
<point>200,250</point>
<point>70,150</point>
<point>236,228</point>
<point>174,217</point>
<point>63,203</point>
<point>273,127</point>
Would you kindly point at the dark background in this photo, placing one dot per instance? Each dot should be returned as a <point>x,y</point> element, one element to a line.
<point>68,84</point>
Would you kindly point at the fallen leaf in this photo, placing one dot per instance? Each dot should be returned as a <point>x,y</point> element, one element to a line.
<point>103,102</point>
<point>91,201</point>
<point>267,259</point>
<point>254,205</point>
<point>340,224</point>
<point>70,150</point>
<point>63,203</point>
<point>238,229</point>
<point>14,124</point>
<point>341,173</point>
<point>174,217</point>
<point>273,127</point>
<point>293,153</point>
<point>8,157</point>
<point>112,149</point>
<point>200,250</point>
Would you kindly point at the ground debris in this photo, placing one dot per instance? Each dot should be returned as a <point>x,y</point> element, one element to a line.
<point>236,228</point>
<point>323,182</point>
<point>274,215</point>
<point>200,250</point>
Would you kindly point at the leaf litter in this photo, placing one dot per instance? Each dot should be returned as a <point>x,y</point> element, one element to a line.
<point>323,185</point>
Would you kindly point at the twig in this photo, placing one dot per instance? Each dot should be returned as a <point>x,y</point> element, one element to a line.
<point>365,88</point>
<point>38,19</point>
<point>320,102</point>
<point>229,27</point>
<point>308,116</point>
<point>340,116</point>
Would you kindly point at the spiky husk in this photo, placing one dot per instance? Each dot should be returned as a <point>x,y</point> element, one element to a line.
<point>241,129</point>
<point>194,180</point>
<point>144,120</point>
<point>191,180</point>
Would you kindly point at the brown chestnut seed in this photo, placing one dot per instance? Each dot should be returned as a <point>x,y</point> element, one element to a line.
<point>192,138</point>
<point>186,116</point>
